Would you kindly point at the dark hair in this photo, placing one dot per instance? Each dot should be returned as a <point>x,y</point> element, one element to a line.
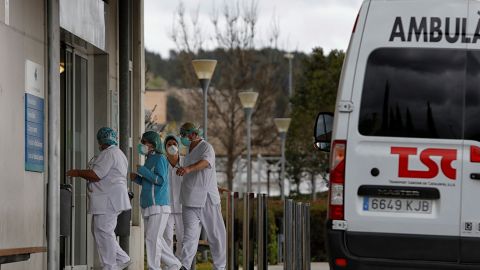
<point>169,138</point>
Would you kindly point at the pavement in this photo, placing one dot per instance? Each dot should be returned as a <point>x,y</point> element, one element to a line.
<point>314,266</point>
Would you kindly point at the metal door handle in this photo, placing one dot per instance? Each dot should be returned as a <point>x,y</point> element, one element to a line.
<point>475,176</point>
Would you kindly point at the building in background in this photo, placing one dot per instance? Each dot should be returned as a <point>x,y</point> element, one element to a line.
<point>49,118</point>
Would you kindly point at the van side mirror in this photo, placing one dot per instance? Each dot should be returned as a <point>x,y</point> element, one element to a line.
<point>323,131</point>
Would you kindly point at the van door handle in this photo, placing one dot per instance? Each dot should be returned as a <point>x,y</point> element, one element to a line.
<point>475,176</point>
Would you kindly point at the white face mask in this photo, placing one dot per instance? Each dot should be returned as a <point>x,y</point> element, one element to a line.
<point>142,149</point>
<point>172,150</point>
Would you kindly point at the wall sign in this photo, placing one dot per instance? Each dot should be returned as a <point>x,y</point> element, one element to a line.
<point>34,117</point>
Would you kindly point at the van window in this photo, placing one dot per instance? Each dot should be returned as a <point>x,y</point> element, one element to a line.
<point>415,92</point>
<point>472,101</point>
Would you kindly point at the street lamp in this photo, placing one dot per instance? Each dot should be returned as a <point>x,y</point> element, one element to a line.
<point>248,100</point>
<point>282,127</point>
<point>289,56</point>
<point>204,69</point>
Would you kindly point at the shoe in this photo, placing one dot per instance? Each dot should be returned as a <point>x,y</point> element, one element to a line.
<point>183,268</point>
<point>175,267</point>
<point>125,265</point>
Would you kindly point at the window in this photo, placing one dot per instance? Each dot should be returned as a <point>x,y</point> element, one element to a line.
<point>416,92</point>
<point>472,101</point>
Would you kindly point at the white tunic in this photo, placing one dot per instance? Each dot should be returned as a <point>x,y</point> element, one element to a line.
<point>110,194</point>
<point>199,185</point>
<point>175,182</point>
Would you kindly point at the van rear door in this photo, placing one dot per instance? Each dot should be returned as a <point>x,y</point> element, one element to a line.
<point>470,211</point>
<point>405,138</point>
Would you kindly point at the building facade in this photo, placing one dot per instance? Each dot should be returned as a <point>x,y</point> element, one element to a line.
<point>68,68</point>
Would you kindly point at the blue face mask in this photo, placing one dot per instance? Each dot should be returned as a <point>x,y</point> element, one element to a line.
<point>185,141</point>
<point>142,149</point>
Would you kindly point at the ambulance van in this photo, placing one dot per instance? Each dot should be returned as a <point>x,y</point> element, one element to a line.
<point>404,139</point>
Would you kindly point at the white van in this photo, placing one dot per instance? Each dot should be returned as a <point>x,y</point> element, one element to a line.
<point>405,139</point>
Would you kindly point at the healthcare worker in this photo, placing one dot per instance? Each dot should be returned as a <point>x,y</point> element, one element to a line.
<point>200,199</point>
<point>155,201</point>
<point>175,222</point>
<point>108,196</point>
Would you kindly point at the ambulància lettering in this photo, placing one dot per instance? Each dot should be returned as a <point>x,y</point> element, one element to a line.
<point>433,29</point>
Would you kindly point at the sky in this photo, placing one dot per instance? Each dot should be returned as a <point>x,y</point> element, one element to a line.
<point>303,24</point>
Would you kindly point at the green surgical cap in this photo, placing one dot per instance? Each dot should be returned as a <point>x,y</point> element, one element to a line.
<point>153,138</point>
<point>188,128</point>
<point>107,136</point>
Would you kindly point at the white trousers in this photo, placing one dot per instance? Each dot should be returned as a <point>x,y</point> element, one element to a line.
<point>157,249</point>
<point>210,217</point>
<point>174,225</point>
<point>110,252</point>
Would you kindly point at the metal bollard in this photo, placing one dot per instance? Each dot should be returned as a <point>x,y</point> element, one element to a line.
<point>248,256</point>
<point>299,240</point>
<point>306,248</point>
<point>230,220</point>
<point>291,237</point>
<point>262,232</point>
<point>288,231</point>
<point>285,238</point>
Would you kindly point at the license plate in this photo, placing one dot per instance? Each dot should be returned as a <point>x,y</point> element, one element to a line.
<point>397,205</point>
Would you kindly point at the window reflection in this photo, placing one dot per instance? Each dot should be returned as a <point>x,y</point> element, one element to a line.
<point>413,92</point>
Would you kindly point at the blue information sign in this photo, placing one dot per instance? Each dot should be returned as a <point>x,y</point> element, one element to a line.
<point>34,130</point>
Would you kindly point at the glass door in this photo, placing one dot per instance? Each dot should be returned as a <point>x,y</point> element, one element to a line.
<point>74,86</point>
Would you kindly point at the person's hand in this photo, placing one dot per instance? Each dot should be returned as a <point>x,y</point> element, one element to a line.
<point>222,190</point>
<point>133,176</point>
<point>183,170</point>
<point>72,173</point>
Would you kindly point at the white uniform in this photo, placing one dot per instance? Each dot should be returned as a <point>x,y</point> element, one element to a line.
<point>201,206</point>
<point>175,221</point>
<point>155,219</point>
<point>108,198</point>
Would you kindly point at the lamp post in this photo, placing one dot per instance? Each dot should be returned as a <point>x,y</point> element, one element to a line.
<point>204,69</point>
<point>248,100</point>
<point>282,127</point>
<point>289,56</point>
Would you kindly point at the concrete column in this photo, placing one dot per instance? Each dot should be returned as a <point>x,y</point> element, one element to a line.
<point>53,212</point>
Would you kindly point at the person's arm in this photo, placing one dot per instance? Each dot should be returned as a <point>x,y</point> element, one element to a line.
<point>100,167</point>
<point>202,164</point>
<point>136,178</point>
<point>159,175</point>
<point>88,175</point>
<point>207,160</point>
<point>222,190</point>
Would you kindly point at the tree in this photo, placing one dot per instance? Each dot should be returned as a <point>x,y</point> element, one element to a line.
<point>316,91</point>
<point>150,121</point>
<point>174,109</point>
<point>240,67</point>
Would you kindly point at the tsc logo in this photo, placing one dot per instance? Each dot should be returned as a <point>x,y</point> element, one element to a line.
<point>447,156</point>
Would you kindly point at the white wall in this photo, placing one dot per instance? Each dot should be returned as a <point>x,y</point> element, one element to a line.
<point>22,194</point>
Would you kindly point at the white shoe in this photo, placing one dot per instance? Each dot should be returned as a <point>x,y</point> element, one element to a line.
<point>125,264</point>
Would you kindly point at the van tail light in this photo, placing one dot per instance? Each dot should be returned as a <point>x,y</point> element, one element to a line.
<point>337,180</point>
<point>355,24</point>
<point>341,262</point>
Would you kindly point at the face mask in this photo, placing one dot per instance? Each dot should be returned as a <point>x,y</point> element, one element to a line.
<point>142,149</point>
<point>172,150</point>
<point>185,141</point>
